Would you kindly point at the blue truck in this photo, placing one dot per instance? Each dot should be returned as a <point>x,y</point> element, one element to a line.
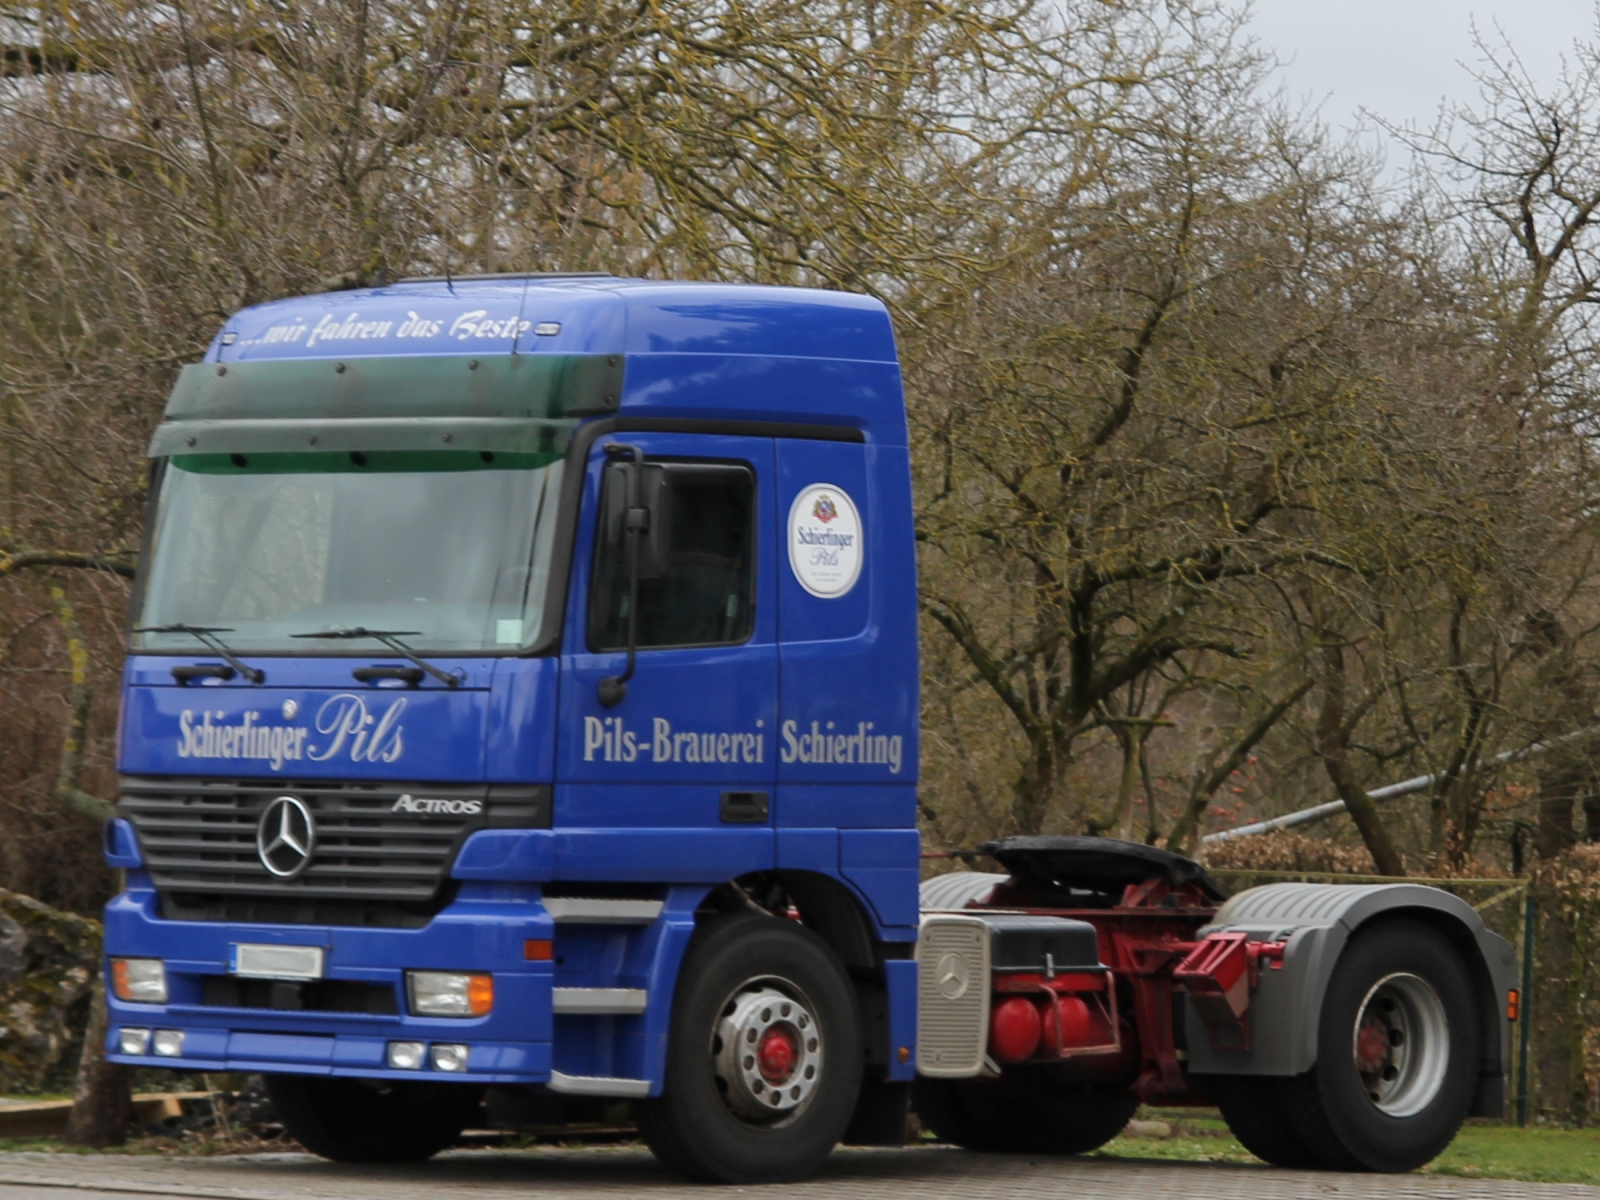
<point>521,703</point>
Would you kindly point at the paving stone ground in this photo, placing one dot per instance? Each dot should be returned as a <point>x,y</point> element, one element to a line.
<point>627,1173</point>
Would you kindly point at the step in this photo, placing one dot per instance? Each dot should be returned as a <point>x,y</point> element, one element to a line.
<point>598,1085</point>
<point>577,910</point>
<point>597,1001</point>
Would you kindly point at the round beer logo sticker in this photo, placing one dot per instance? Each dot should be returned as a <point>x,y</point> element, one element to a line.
<point>825,541</point>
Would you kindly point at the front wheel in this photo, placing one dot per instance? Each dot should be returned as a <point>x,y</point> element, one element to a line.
<point>372,1121</point>
<point>763,1058</point>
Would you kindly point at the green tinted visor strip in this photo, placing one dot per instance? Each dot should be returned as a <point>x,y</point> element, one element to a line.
<point>525,403</point>
<point>475,434</point>
<point>359,462</point>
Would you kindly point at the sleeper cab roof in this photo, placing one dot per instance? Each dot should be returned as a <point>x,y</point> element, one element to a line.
<point>760,353</point>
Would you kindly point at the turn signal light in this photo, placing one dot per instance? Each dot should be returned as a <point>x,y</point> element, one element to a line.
<point>1513,1004</point>
<point>480,994</point>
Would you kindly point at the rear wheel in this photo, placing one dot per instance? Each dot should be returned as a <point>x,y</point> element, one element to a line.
<point>763,1058</point>
<point>372,1121</point>
<point>1030,1113</point>
<point>941,1108</point>
<point>1397,1058</point>
<point>1255,1108</point>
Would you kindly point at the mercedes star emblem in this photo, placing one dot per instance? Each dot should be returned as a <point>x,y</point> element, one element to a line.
<point>952,976</point>
<point>285,837</point>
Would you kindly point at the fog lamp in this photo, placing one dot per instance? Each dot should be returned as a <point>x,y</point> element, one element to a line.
<point>448,1057</point>
<point>133,1041</point>
<point>450,993</point>
<point>140,980</point>
<point>168,1043</point>
<point>405,1056</point>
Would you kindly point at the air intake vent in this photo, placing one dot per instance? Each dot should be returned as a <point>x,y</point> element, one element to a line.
<point>381,853</point>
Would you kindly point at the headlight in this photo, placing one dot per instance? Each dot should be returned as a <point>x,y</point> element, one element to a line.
<point>133,1041</point>
<point>449,994</point>
<point>449,1057</point>
<point>140,980</point>
<point>168,1043</point>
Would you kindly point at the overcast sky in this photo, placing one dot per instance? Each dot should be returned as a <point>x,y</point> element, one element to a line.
<point>1399,58</point>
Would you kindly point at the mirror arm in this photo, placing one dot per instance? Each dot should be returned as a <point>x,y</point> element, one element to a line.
<point>614,687</point>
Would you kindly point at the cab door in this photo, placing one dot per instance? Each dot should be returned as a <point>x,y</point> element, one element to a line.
<point>673,781</point>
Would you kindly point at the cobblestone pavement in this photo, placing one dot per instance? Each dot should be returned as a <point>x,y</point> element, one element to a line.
<point>627,1173</point>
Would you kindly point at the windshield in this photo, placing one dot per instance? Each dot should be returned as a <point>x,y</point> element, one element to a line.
<point>450,547</point>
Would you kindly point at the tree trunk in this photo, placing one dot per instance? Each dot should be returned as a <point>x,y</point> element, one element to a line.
<point>1132,738</point>
<point>101,1099</point>
<point>1036,787</point>
<point>69,777</point>
<point>1333,743</point>
<point>1561,783</point>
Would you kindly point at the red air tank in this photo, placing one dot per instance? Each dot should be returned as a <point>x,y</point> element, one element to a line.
<point>1014,1029</point>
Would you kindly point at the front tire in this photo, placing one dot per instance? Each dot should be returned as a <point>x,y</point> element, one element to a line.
<point>373,1121</point>
<point>763,1057</point>
<point>1397,1054</point>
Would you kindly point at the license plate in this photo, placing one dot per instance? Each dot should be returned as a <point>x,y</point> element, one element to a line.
<point>276,962</point>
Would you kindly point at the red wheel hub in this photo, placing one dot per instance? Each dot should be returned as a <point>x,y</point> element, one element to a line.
<point>776,1054</point>
<point>1372,1046</point>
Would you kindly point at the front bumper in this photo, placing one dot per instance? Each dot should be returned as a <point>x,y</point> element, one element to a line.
<point>484,930</point>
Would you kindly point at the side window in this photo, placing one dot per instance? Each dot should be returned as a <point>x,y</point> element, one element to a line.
<point>704,592</point>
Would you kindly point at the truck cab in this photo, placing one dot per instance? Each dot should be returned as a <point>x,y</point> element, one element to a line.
<point>494,639</point>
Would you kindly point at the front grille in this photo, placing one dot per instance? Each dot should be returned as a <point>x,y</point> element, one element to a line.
<point>321,995</point>
<point>370,866</point>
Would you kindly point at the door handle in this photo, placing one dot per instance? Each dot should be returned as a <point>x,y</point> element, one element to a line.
<point>744,808</point>
<point>412,675</point>
<point>202,671</point>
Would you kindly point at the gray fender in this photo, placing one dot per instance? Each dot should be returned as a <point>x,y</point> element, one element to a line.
<point>1316,920</point>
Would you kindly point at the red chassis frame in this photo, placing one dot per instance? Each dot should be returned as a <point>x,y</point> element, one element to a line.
<point>1148,941</point>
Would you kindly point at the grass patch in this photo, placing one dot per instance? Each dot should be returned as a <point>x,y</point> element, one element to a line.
<point>1534,1155</point>
<point>1479,1152</point>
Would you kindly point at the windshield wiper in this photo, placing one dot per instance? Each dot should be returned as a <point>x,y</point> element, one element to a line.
<point>391,638</point>
<point>203,634</point>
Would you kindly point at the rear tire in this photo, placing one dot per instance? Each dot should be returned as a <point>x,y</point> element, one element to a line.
<point>1027,1114</point>
<point>772,1115</point>
<point>370,1120</point>
<point>1397,1054</point>
<point>941,1107</point>
<point>1255,1108</point>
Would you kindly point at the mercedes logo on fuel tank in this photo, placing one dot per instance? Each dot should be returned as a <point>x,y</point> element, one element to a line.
<point>285,837</point>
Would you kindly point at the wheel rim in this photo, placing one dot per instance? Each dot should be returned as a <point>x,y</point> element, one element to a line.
<point>766,1051</point>
<point>1401,1044</point>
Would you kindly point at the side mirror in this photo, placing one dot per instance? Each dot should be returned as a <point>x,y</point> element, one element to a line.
<point>650,514</point>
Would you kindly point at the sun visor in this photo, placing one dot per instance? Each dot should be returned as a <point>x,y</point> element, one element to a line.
<point>447,385</point>
<point>496,434</point>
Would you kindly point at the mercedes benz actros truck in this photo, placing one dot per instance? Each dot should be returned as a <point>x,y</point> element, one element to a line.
<point>521,707</point>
